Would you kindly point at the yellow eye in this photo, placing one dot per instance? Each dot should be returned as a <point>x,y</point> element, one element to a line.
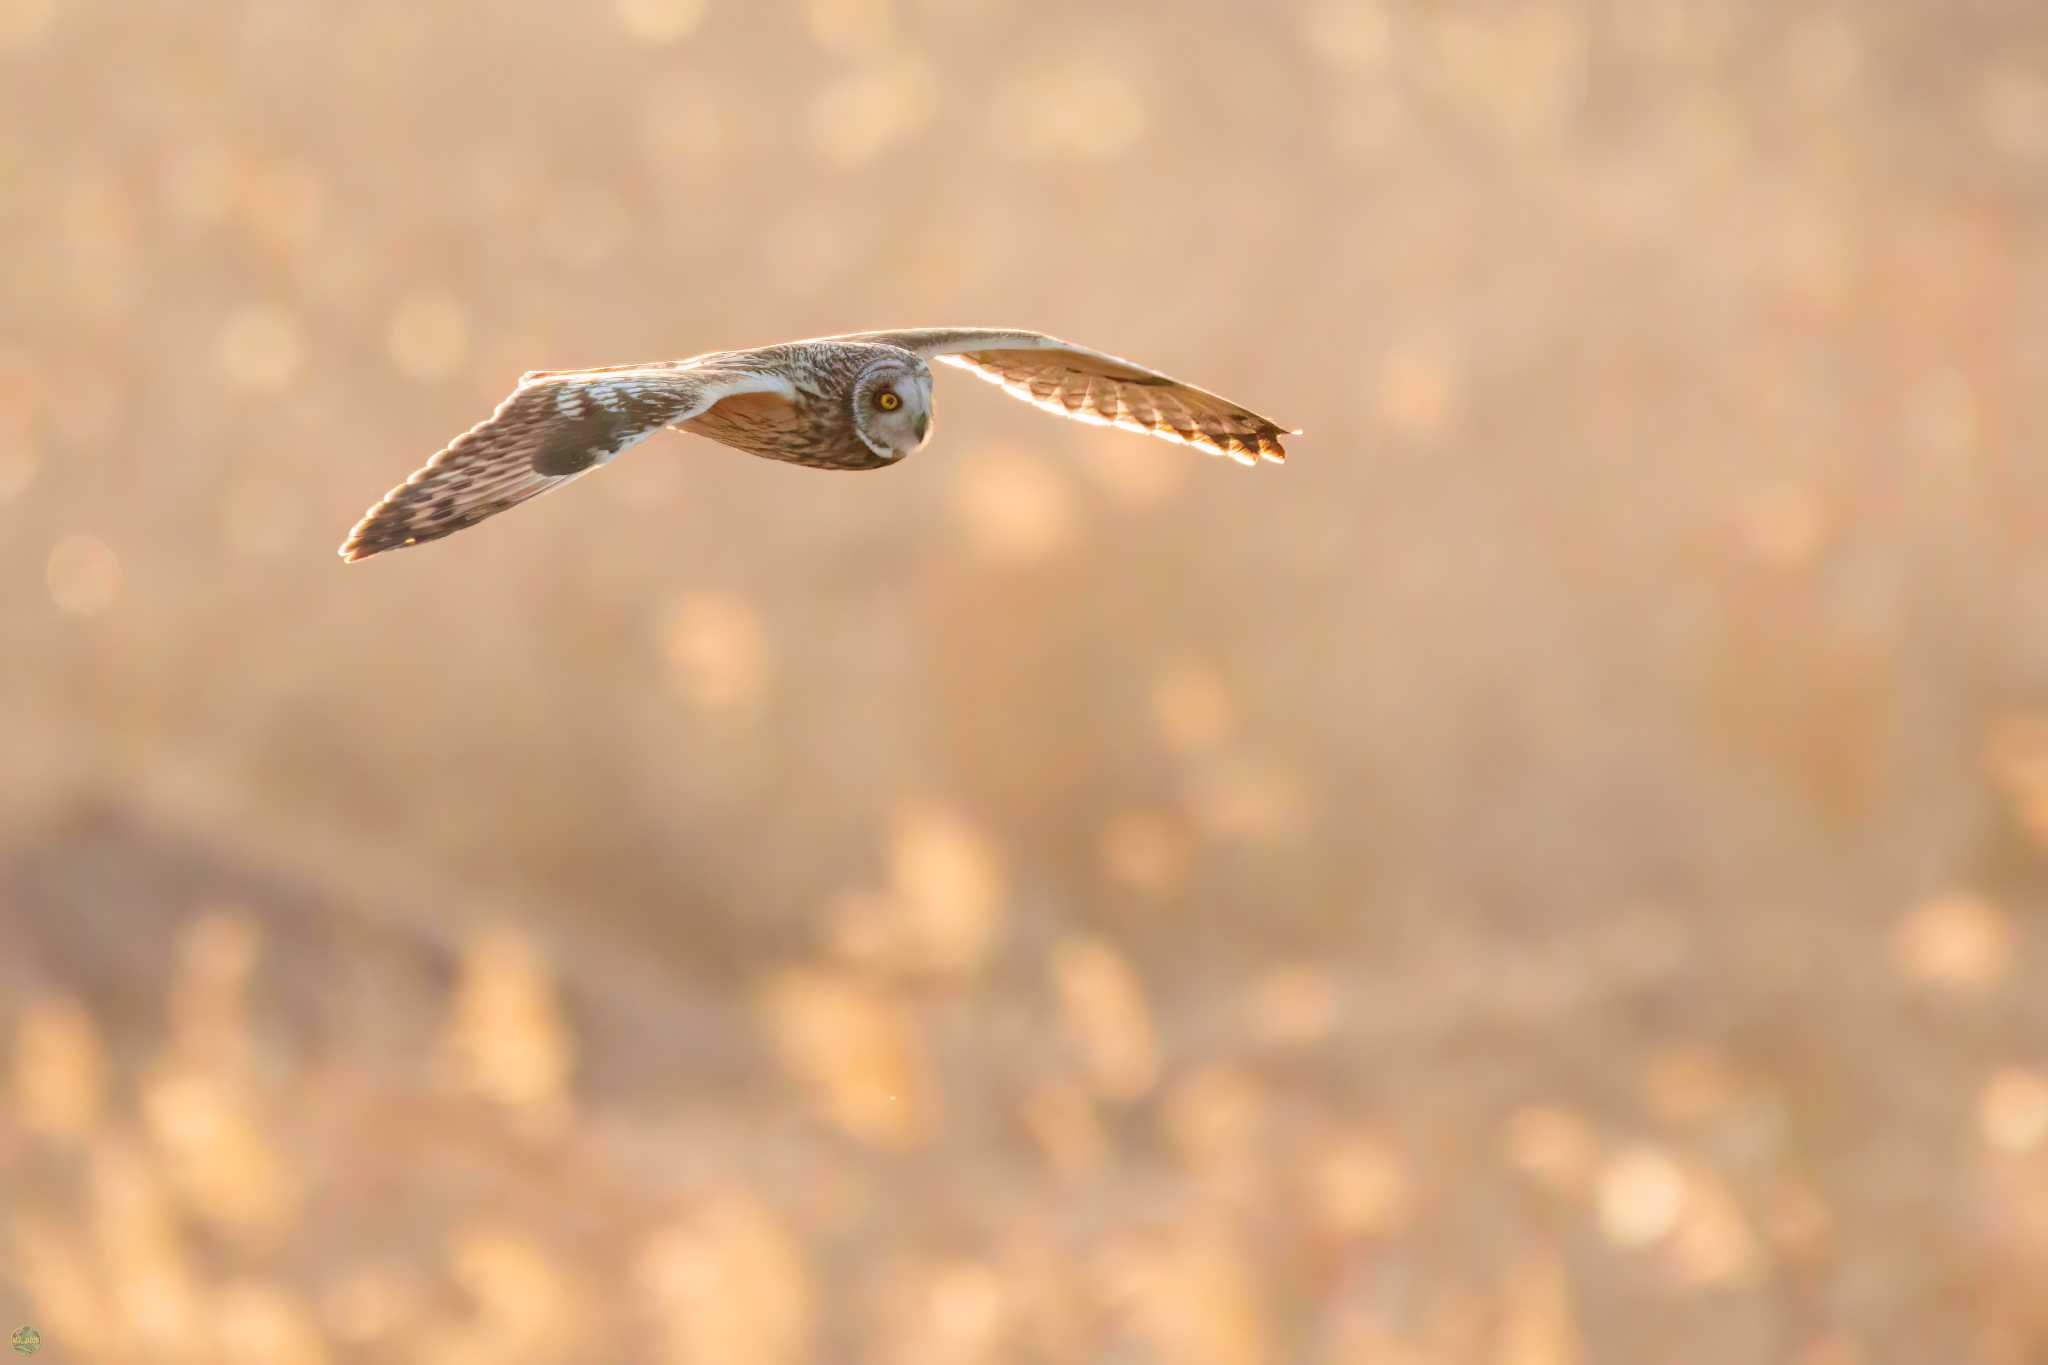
<point>888,402</point>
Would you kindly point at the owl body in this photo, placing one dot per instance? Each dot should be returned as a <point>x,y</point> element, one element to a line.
<point>820,425</point>
<point>861,401</point>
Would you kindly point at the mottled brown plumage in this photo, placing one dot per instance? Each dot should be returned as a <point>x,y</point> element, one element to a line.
<point>861,401</point>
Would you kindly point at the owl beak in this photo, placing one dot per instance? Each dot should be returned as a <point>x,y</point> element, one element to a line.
<point>922,425</point>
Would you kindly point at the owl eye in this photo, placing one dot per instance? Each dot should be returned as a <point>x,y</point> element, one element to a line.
<point>888,402</point>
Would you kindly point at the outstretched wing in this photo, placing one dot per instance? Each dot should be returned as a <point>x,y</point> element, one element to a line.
<point>556,426</point>
<point>1090,386</point>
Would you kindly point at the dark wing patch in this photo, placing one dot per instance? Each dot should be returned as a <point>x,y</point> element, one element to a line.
<point>575,445</point>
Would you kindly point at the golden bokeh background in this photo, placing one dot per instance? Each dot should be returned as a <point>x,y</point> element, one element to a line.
<point>1551,876</point>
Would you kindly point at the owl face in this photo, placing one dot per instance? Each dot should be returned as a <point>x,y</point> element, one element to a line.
<point>892,407</point>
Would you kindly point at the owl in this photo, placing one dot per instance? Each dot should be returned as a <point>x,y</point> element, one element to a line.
<point>860,401</point>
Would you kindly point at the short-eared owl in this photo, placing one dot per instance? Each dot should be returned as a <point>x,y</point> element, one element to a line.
<point>862,401</point>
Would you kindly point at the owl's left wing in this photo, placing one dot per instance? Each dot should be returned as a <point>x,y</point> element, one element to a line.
<point>1089,386</point>
<point>556,426</point>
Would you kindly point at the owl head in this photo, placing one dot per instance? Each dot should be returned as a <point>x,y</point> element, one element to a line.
<point>892,405</point>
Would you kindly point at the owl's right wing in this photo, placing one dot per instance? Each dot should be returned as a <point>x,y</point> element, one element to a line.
<point>556,426</point>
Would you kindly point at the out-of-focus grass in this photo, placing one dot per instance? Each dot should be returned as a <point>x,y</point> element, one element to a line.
<point>1550,876</point>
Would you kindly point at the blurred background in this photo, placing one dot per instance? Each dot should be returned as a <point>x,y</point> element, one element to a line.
<point>1550,876</point>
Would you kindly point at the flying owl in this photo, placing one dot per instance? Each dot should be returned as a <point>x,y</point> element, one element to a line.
<point>861,401</point>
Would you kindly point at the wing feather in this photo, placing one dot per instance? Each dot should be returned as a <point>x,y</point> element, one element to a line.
<point>555,427</point>
<point>1094,387</point>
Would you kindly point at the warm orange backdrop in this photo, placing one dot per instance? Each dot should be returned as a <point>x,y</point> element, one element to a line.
<point>1552,876</point>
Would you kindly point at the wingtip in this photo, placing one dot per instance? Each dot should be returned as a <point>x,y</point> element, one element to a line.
<point>1270,449</point>
<point>360,545</point>
<point>352,548</point>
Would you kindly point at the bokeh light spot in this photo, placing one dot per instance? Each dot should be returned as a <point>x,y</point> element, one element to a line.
<point>1016,509</point>
<point>1293,1006</point>
<point>1060,1116</point>
<point>1958,941</point>
<point>258,1323</point>
<point>25,25</point>
<point>1539,1323</point>
<point>1086,110</point>
<point>659,23</point>
<point>19,460</point>
<point>60,1069</point>
<point>1641,1193</point>
<point>1418,388</point>
<point>728,1281</point>
<point>1138,474</point>
<point>1352,35</point>
<point>506,1037</point>
<point>1714,1244</point>
<point>1786,526</point>
<point>861,115</point>
<point>84,575</point>
<point>429,335</point>
<point>2012,1109</point>
<point>1191,707</point>
<point>515,1282</point>
<point>284,204</point>
<point>1107,1016</point>
<point>718,648</point>
<point>852,26</point>
<point>856,1050</point>
<point>1211,1118</point>
<point>261,347</point>
<point>948,879</point>
<point>1357,1185</point>
<point>370,1304</point>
